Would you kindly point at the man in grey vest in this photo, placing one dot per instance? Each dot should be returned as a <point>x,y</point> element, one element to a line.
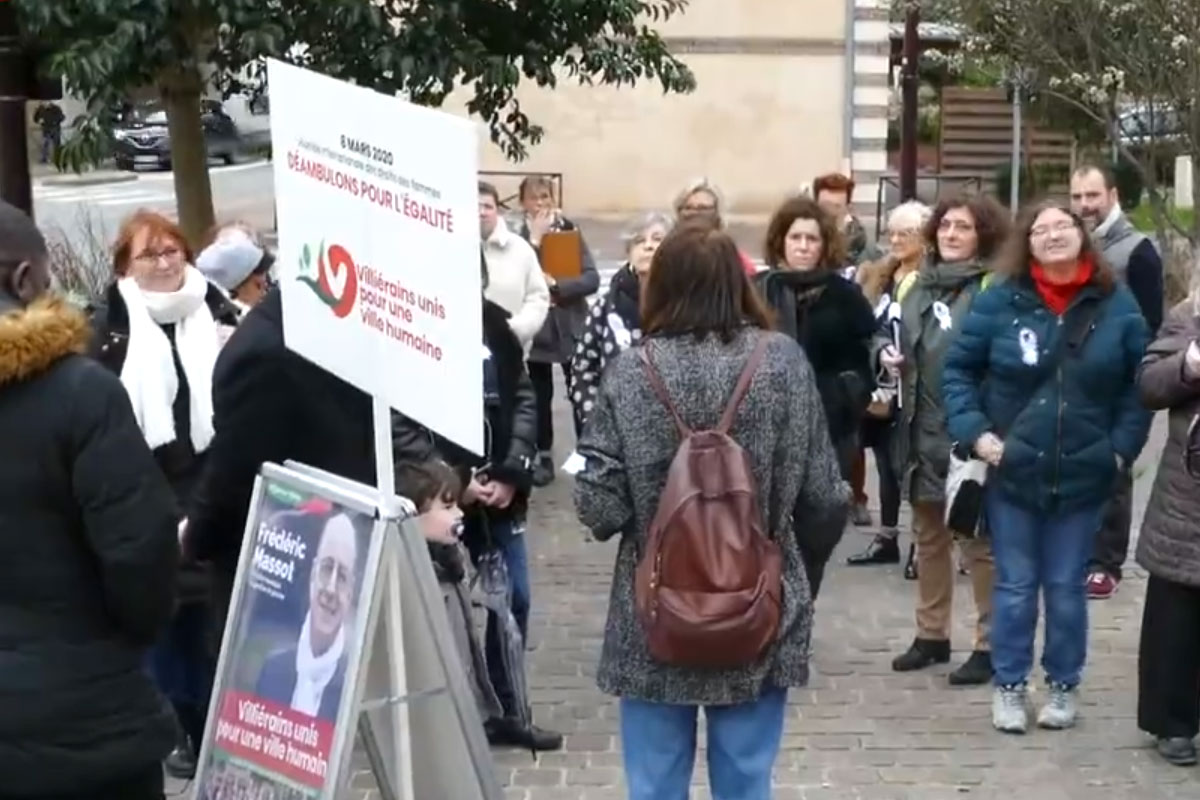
<point>1135,260</point>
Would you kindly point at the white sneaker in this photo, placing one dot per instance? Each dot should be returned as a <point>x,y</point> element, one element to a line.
<point>1060,710</point>
<point>1009,714</point>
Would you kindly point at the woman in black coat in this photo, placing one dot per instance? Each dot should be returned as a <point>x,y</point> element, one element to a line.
<point>828,315</point>
<point>823,311</point>
<point>159,331</point>
<point>87,555</point>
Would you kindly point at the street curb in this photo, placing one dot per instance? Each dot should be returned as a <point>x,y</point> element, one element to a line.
<point>89,178</point>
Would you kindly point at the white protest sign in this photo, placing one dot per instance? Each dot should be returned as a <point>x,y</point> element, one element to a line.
<point>379,246</point>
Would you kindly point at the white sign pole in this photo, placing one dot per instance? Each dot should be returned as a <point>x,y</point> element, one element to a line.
<point>379,272</point>
<point>385,478</point>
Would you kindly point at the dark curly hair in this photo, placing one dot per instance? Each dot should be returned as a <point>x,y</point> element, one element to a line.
<point>991,222</point>
<point>833,243</point>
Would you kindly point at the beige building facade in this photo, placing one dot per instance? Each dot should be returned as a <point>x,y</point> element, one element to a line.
<point>786,90</point>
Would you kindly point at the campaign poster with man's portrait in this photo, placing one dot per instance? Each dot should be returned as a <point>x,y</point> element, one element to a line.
<point>294,628</point>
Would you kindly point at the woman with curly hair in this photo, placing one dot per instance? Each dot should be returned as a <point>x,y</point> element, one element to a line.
<point>828,316</point>
<point>963,234</point>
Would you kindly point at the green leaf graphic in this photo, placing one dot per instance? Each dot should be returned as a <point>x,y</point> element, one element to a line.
<point>316,287</point>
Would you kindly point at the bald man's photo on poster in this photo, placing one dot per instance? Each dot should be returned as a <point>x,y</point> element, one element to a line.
<point>303,599</point>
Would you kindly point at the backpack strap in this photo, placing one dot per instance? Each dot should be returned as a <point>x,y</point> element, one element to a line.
<point>660,389</point>
<point>743,384</point>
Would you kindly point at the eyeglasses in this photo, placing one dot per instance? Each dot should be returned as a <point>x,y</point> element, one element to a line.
<point>956,225</point>
<point>1042,231</point>
<point>330,571</point>
<point>149,258</point>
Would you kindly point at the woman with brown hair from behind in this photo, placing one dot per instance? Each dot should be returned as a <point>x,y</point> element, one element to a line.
<point>703,324</point>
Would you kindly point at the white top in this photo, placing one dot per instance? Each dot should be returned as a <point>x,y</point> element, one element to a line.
<point>516,282</point>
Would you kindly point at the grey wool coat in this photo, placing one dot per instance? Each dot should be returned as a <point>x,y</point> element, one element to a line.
<point>1169,543</point>
<point>628,445</point>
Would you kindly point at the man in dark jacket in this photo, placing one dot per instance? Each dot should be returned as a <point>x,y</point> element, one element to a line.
<point>270,404</point>
<point>88,554</point>
<point>1135,261</point>
<point>496,498</point>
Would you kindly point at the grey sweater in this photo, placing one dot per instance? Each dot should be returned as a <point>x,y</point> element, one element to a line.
<point>628,446</point>
<point>1169,542</point>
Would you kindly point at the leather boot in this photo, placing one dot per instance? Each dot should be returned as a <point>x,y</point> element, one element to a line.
<point>883,549</point>
<point>511,733</point>
<point>923,653</point>
<point>975,671</point>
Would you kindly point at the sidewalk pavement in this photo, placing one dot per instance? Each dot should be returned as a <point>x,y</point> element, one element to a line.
<point>48,175</point>
<point>858,731</point>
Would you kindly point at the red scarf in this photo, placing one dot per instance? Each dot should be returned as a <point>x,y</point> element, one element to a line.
<point>1057,295</point>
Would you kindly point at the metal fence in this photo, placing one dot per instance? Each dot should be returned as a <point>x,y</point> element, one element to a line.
<point>931,187</point>
<point>508,182</point>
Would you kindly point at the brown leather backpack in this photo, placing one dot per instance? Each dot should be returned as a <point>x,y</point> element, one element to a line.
<point>708,586</point>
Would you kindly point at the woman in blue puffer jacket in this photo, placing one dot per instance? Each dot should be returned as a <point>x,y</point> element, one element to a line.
<point>1040,383</point>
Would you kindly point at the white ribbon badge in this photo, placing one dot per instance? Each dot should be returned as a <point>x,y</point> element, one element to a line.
<point>1029,346</point>
<point>941,312</point>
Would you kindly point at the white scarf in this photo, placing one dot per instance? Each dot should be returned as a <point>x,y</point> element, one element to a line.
<point>1104,227</point>
<point>313,672</point>
<point>149,370</point>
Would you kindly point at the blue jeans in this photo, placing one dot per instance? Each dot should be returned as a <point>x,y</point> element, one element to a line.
<point>509,537</point>
<point>1039,553</point>
<point>658,741</point>
<point>183,667</point>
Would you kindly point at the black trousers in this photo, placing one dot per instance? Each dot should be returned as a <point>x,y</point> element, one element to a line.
<point>1112,540</point>
<point>1169,660</point>
<point>877,435</point>
<point>818,538</point>
<point>542,377</point>
<point>146,785</point>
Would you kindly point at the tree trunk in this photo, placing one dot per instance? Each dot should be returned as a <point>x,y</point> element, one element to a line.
<point>189,154</point>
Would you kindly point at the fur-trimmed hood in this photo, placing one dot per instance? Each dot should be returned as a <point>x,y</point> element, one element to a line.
<point>34,338</point>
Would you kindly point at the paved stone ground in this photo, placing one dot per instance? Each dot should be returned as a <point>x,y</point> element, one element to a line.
<point>858,731</point>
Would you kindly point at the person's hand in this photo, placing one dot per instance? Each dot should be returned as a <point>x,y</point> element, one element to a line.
<point>1191,361</point>
<point>440,524</point>
<point>891,359</point>
<point>989,448</point>
<point>540,224</point>
<point>501,494</point>
<point>477,492</point>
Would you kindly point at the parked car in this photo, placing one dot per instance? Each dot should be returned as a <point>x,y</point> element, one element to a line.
<point>142,138</point>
